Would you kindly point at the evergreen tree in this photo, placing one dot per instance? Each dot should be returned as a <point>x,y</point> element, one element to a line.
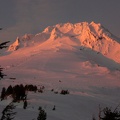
<point>9,90</point>
<point>16,93</point>
<point>1,74</point>
<point>2,45</point>
<point>54,108</point>
<point>25,104</point>
<point>19,93</point>
<point>7,113</point>
<point>3,93</point>
<point>23,92</point>
<point>40,108</point>
<point>42,114</point>
<point>108,114</point>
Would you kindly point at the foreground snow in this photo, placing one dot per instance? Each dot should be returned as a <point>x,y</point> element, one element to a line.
<point>89,84</point>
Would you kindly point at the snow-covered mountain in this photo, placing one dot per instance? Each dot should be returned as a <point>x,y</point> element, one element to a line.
<point>83,58</point>
<point>80,35</point>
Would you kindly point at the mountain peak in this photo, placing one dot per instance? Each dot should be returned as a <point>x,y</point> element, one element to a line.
<point>90,35</point>
<point>15,45</point>
<point>95,24</point>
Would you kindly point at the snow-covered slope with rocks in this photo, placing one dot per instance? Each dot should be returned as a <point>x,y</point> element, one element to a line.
<point>83,58</point>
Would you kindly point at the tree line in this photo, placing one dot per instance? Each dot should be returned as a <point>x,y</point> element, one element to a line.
<point>9,113</point>
<point>17,92</point>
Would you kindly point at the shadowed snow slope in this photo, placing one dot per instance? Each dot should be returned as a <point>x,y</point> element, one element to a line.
<point>82,58</point>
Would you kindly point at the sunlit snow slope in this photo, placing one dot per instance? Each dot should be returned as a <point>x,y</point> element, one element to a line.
<point>80,35</point>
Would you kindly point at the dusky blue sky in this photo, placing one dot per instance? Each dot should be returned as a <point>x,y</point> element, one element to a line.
<point>18,17</point>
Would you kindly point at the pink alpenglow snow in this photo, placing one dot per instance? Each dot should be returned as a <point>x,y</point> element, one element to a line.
<point>89,35</point>
<point>82,58</point>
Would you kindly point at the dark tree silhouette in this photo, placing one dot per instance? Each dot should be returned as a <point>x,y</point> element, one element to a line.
<point>2,45</point>
<point>18,93</point>
<point>54,108</point>
<point>108,114</point>
<point>25,104</point>
<point>31,88</point>
<point>7,113</point>
<point>42,114</point>
<point>9,91</point>
<point>64,92</point>
<point>1,74</point>
<point>3,93</point>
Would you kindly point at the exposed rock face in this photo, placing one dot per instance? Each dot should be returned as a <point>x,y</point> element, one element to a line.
<point>15,45</point>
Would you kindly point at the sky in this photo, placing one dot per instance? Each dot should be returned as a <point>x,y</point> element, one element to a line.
<point>18,17</point>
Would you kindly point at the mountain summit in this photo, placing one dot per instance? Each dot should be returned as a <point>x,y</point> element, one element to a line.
<point>79,35</point>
